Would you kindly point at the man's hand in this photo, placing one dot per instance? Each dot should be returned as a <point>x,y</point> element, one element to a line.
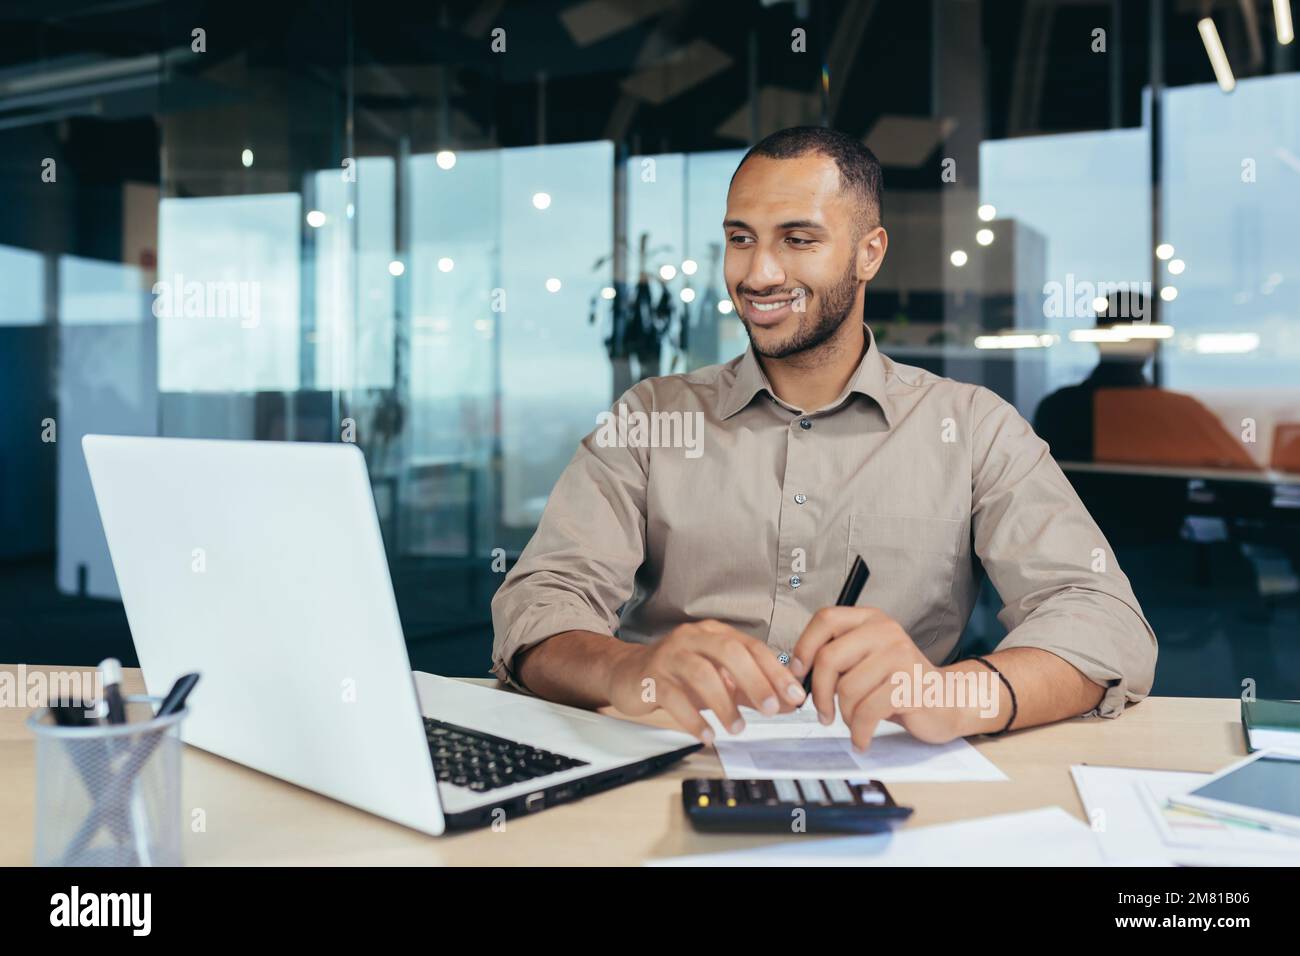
<point>855,653</point>
<point>704,665</point>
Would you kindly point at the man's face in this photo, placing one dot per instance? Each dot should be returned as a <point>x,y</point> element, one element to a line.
<point>792,252</point>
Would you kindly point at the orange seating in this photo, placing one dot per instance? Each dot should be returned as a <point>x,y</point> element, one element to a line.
<point>1286,447</point>
<point>1152,426</point>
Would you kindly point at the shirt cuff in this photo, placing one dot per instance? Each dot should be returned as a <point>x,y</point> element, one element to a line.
<point>536,625</point>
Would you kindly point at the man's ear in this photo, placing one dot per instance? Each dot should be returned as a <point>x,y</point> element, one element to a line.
<point>871,252</point>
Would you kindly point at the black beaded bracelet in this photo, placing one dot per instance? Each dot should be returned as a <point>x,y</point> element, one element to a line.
<point>1010,690</point>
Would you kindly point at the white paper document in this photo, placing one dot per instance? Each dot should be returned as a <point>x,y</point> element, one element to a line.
<point>1134,822</point>
<point>797,745</point>
<point>1045,837</point>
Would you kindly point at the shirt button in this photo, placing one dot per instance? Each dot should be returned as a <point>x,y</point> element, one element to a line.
<point>805,424</point>
<point>795,581</point>
<point>800,499</point>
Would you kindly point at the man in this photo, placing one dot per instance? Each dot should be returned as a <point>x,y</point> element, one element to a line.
<point>1065,419</point>
<point>710,563</point>
<point>1133,421</point>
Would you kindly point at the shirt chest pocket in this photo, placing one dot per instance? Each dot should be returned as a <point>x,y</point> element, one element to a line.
<point>912,561</point>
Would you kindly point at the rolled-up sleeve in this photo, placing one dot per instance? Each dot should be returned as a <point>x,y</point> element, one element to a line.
<point>1060,584</point>
<point>580,566</point>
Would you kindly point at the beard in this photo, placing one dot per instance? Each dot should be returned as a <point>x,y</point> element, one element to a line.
<point>836,301</point>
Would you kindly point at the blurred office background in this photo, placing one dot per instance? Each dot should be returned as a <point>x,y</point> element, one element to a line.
<point>454,231</point>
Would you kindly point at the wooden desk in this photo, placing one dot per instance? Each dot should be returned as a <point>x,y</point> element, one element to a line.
<point>253,819</point>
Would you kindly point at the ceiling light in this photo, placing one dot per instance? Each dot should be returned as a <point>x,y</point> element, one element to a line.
<point>1218,58</point>
<point>1282,18</point>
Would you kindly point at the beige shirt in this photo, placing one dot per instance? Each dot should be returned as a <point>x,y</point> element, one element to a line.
<point>754,520</point>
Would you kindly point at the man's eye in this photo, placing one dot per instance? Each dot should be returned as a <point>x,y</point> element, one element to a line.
<point>737,240</point>
<point>800,241</point>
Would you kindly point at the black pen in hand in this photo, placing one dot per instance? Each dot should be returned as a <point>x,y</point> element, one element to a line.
<point>849,595</point>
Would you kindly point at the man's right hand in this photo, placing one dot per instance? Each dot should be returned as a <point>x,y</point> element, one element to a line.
<point>703,665</point>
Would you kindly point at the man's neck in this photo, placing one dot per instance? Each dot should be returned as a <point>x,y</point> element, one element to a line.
<point>1111,371</point>
<point>813,379</point>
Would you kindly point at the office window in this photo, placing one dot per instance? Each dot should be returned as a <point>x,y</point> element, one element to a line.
<point>228,299</point>
<point>22,276</point>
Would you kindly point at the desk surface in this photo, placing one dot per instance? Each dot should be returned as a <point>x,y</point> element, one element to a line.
<point>253,819</point>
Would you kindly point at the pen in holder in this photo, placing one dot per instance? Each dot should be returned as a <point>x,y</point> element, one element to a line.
<point>109,794</point>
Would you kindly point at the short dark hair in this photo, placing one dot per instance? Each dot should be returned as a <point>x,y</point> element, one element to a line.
<point>858,166</point>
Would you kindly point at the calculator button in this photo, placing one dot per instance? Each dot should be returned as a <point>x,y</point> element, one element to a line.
<point>839,791</point>
<point>812,791</point>
<point>787,792</point>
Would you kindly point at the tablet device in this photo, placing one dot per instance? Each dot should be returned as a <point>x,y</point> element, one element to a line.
<point>1264,788</point>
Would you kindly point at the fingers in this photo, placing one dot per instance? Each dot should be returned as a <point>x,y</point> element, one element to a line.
<point>708,665</point>
<point>741,698</point>
<point>833,660</point>
<point>825,626</point>
<point>825,678</point>
<point>681,708</point>
<point>789,690</point>
<point>700,677</point>
<point>870,711</point>
<point>758,675</point>
<point>859,689</point>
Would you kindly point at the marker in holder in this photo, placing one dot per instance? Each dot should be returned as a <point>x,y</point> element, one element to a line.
<point>109,794</point>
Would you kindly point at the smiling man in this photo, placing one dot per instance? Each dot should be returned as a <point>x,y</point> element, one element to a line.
<point>659,580</point>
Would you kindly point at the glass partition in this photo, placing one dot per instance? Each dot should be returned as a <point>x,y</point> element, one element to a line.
<point>363,223</point>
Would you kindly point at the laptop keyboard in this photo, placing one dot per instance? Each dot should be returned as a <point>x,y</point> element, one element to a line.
<point>481,762</point>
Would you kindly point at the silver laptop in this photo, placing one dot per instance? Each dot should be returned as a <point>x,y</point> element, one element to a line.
<point>261,566</point>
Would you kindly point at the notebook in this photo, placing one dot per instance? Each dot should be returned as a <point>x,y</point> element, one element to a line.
<point>1271,723</point>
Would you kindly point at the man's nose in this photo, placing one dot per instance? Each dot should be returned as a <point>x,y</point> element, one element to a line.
<point>765,272</point>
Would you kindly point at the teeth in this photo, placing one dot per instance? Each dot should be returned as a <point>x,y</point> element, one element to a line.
<point>768,306</point>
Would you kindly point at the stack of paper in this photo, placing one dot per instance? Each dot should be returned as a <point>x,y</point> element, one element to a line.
<point>1045,837</point>
<point>1132,817</point>
<point>797,745</point>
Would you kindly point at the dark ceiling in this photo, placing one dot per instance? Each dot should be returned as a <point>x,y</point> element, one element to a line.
<point>393,66</point>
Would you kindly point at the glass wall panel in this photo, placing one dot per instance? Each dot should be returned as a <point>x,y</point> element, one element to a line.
<point>360,223</point>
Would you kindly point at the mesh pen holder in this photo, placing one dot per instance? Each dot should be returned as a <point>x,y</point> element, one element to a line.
<point>109,795</point>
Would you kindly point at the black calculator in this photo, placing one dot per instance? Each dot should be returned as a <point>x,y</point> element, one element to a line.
<point>791,806</point>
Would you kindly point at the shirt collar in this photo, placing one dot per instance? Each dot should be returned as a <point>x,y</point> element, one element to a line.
<point>749,380</point>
